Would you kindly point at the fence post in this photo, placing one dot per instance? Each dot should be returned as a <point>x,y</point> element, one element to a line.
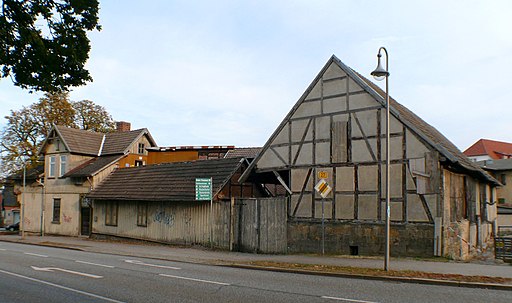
<point>231,224</point>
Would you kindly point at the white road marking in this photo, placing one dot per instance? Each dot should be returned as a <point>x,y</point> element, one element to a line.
<point>346,300</point>
<point>3,249</point>
<point>37,255</point>
<point>84,262</point>
<point>151,265</point>
<point>197,280</point>
<point>51,269</point>
<point>62,287</point>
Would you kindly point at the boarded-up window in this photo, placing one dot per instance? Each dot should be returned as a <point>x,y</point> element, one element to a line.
<point>111,208</point>
<point>339,141</point>
<point>458,203</point>
<point>142,213</point>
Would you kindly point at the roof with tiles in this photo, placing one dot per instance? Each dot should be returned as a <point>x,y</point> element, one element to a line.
<point>424,130</point>
<point>430,134</point>
<point>98,144</point>
<point>80,141</point>
<point>246,152</point>
<point>496,165</point>
<point>91,167</point>
<point>494,149</point>
<point>165,182</point>
<point>119,142</point>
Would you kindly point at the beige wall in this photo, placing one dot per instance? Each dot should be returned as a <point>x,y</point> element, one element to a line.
<point>186,222</point>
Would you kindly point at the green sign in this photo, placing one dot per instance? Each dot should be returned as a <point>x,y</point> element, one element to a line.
<point>203,188</point>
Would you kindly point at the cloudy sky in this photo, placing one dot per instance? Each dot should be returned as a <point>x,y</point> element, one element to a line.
<point>227,72</point>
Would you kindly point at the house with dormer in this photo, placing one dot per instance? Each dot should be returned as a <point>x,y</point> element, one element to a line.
<point>75,162</point>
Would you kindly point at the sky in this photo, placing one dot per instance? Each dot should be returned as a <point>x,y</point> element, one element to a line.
<point>227,72</point>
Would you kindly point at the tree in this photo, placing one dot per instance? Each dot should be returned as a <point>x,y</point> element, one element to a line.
<point>90,116</point>
<point>28,127</point>
<point>43,43</point>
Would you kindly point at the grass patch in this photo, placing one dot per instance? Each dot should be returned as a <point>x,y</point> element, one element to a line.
<point>382,273</point>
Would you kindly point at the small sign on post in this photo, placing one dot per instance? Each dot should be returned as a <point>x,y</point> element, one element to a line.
<point>323,175</point>
<point>203,188</point>
<point>323,188</point>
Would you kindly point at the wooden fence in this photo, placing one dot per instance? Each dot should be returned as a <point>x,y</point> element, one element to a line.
<point>259,225</point>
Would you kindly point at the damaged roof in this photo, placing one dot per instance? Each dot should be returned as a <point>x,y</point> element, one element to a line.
<point>417,125</point>
<point>165,182</point>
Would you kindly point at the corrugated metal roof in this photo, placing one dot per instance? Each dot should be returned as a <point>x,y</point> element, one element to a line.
<point>165,182</point>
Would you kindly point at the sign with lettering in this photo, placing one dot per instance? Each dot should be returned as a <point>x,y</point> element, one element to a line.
<point>203,188</point>
<point>323,175</point>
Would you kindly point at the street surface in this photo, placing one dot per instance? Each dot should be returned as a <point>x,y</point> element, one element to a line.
<point>30,273</point>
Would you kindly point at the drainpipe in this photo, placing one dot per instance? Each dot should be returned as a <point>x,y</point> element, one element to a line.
<point>42,206</point>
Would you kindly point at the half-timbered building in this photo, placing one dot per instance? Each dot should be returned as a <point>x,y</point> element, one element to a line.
<point>441,203</point>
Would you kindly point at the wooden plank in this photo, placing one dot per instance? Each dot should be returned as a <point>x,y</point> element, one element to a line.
<point>426,208</point>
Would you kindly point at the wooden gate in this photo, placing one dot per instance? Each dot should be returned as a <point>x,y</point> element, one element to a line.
<point>259,225</point>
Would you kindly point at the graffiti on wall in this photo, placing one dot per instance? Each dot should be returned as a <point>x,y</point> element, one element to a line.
<point>66,219</point>
<point>161,216</point>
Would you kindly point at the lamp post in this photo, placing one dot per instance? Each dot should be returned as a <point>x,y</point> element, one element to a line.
<point>380,74</point>
<point>23,201</point>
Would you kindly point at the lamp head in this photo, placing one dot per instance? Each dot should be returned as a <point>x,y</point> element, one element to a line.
<point>379,73</point>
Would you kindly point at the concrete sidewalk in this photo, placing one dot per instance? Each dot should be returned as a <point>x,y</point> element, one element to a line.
<point>202,255</point>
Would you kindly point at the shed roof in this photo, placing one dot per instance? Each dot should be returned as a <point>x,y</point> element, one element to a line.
<point>166,181</point>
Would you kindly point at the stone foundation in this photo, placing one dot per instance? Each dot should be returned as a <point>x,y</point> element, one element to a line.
<point>368,239</point>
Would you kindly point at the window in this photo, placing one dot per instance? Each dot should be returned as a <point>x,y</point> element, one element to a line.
<point>142,213</point>
<point>56,210</point>
<point>111,208</point>
<point>63,162</point>
<point>51,167</point>
<point>139,163</point>
<point>141,149</point>
<point>503,179</point>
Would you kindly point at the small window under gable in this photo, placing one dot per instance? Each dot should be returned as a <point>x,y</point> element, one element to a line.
<point>142,149</point>
<point>51,166</point>
<point>63,165</point>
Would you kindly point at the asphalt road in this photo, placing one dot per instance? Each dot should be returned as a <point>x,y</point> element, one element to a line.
<point>44,274</point>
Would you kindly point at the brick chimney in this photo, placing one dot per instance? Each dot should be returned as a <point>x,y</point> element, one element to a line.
<point>122,126</point>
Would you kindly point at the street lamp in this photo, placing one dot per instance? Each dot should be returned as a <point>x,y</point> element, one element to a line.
<point>380,74</point>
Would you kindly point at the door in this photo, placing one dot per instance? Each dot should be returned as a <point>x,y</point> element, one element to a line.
<point>85,220</point>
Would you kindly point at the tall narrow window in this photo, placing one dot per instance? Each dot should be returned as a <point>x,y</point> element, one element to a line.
<point>141,149</point>
<point>142,213</point>
<point>63,164</point>
<point>111,208</point>
<point>56,210</point>
<point>51,166</point>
